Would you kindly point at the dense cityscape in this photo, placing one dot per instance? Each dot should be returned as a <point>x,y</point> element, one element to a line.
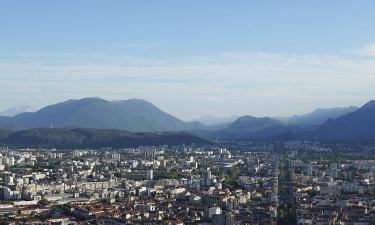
<point>294,182</point>
<point>195,112</point>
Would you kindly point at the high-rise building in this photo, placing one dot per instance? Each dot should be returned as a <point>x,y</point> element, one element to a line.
<point>207,174</point>
<point>214,211</point>
<point>220,219</point>
<point>6,193</point>
<point>77,153</point>
<point>150,174</point>
<point>11,161</point>
<point>9,179</point>
<point>150,153</point>
<point>116,155</point>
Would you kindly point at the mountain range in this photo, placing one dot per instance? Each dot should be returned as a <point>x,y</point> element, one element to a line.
<point>318,116</point>
<point>304,126</point>
<point>359,124</point>
<point>134,115</point>
<point>137,115</point>
<point>336,123</point>
<point>250,127</point>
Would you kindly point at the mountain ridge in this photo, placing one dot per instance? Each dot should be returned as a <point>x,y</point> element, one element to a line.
<point>134,115</point>
<point>356,125</point>
<point>210,120</point>
<point>93,138</point>
<point>318,116</point>
<point>138,115</point>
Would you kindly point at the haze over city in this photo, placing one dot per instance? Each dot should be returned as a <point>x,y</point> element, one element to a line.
<point>190,58</point>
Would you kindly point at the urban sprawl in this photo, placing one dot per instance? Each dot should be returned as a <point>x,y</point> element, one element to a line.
<point>292,182</point>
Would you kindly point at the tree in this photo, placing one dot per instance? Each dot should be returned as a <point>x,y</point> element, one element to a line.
<point>44,202</point>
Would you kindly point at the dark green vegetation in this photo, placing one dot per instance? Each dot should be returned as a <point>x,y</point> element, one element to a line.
<point>286,217</point>
<point>133,115</point>
<point>231,177</point>
<point>163,174</point>
<point>5,133</point>
<point>93,138</point>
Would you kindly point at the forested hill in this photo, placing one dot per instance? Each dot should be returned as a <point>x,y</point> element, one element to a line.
<point>93,138</point>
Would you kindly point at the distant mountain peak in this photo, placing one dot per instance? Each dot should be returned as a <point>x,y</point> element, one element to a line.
<point>135,115</point>
<point>319,116</point>
<point>211,120</point>
<point>136,100</point>
<point>89,99</point>
<point>253,118</point>
<point>359,124</point>
<point>93,98</point>
<point>246,117</point>
<point>18,110</point>
<point>369,105</point>
<point>251,127</point>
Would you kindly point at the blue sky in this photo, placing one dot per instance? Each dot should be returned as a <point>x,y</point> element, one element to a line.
<point>190,57</point>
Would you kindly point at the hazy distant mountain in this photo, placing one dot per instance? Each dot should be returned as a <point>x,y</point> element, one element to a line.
<point>133,115</point>
<point>250,127</point>
<point>359,124</point>
<point>92,138</point>
<point>136,115</point>
<point>319,116</point>
<point>18,110</point>
<point>210,120</point>
<point>335,123</point>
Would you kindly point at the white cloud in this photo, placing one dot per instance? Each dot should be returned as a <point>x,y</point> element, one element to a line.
<point>223,84</point>
<point>368,50</point>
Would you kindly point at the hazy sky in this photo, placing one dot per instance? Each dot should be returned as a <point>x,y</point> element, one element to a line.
<point>191,57</point>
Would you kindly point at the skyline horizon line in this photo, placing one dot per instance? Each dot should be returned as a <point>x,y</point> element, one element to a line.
<point>193,118</point>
